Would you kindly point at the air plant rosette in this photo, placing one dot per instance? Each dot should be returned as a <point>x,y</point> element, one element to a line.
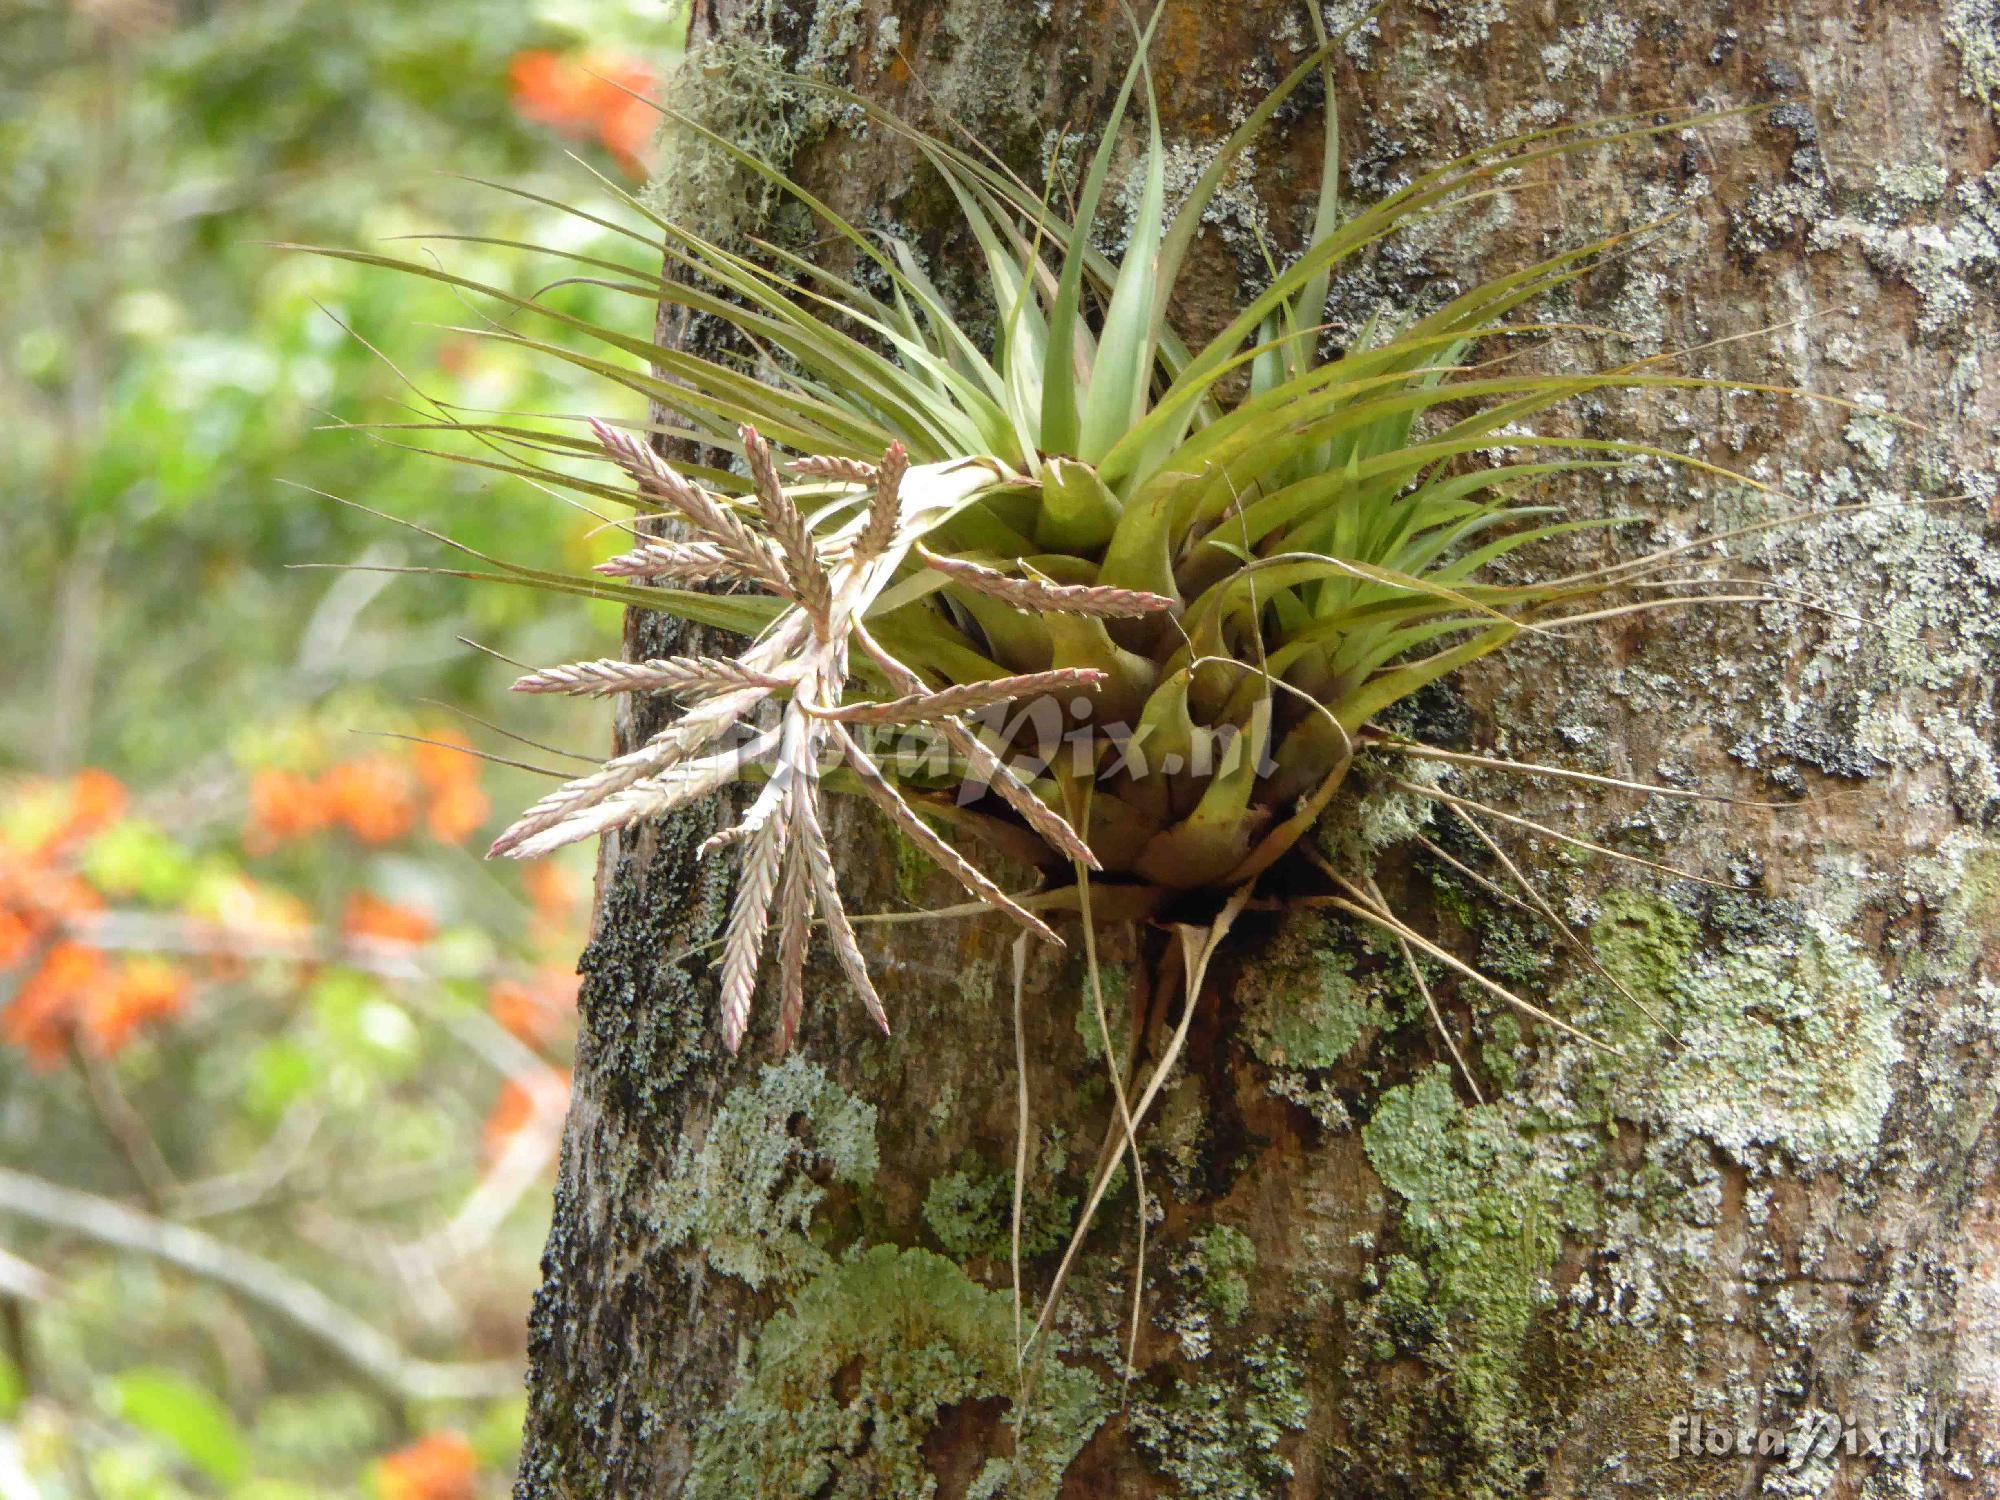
<point>1182,581</point>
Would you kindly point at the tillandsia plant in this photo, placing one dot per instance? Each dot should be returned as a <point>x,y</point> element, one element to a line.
<point>1208,567</point>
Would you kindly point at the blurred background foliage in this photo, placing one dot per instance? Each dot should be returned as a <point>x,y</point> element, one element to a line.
<point>282,1060</point>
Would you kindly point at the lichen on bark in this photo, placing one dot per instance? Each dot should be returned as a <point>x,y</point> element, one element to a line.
<point>845,1387</point>
<point>746,1198</point>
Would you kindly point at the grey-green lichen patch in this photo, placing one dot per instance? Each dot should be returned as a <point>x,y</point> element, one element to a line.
<point>1236,213</point>
<point>1788,1036</point>
<point>1873,437</point>
<point>835,33</point>
<point>742,88</point>
<point>747,1196</point>
<point>1943,245</point>
<point>1948,979</point>
<point>1220,1437</point>
<point>1303,1006</point>
<point>972,1215</point>
<point>989,83</point>
<point>1358,21</point>
<point>1791,1041</point>
<point>888,37</point>
<point>1181,1135</point>
<point>1227,1257</point>
<point>1657,1244</point>
<point>1398,282</point>
<point>1500,1052</point>
<point>1973,28</point>
<point>1959,884</point>
<point>1903,187</point>
<point>841,1389</point>
<point>1114,987</point>
<point>1481,1209</point>
<point>1513,948</point>
<point>1869,693</point>
<point>1378,815</point>
<point>1316,1095</point>
<point>1402,1317</point>
<point>1212,1273</point>
<point>1463,23</point>
<point>1945,262</point>
<point>1598,45</point>
<point>1643,942</point>
<point>1213,1289</point>
<point>737,88</point>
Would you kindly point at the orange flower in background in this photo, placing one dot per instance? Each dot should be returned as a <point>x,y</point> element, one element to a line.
<point>624,124</point>
<point>439,1466</point>
<point>376,798</point>
<point>37,896</point>
<point>538,1011</point>
<point>373,797</point>
<point>517,1107</point>
<point>77,988</point>
<point>511,1111</point>
<point>283,806</point>
<point>587,97</point>
<point>369,918</point>
<point>553,893</point>
<point>450,776</point>
<point>548,88</point>
<point>17,938</point>
<point>443,759</point>
<point>97,800</point>
<point>46,817</point>
<point>143,990</point>
<point>43,1013</point>
<point>456,813</point>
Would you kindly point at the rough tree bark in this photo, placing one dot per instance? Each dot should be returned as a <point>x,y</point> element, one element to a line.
<point>791,1278</point>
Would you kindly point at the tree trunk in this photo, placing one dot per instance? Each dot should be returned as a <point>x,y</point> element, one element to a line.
<point>792,1278</point>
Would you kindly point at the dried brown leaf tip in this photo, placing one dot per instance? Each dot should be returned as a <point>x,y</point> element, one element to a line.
<point>726,734</point>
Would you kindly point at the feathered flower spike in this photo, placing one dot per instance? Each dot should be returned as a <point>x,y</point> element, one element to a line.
<point>829,584</point>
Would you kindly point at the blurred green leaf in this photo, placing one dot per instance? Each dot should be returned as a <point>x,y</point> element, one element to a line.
<point>137,858</point>
<point>176,1410</point>
<point>279,1073</point>
<point>11,1387</point>
<point>362,1025</point>
<point>497,1437</point>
